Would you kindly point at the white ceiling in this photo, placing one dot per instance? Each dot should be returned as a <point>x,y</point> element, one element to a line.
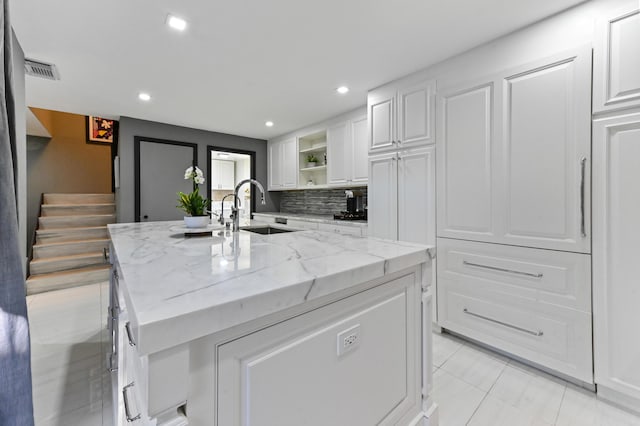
<point>243,62</point>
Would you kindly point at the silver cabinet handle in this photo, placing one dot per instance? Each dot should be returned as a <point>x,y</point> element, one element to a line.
<point>127,410</point>
<point>495,268</point>
<point>583,166</point>
<point>127,327</point>
<point>110,367</point>
<point>515,327</point>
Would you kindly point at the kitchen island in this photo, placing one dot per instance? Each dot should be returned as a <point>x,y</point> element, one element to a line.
<point>297,328</point>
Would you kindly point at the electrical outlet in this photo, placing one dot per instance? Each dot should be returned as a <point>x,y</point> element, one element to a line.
<point>348,339</point>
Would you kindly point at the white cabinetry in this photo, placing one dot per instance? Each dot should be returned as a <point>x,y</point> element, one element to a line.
<point>514,155</point>
<point>347,161</point>
<point>616,293</point>
<point>514,151</point>
<point>617,61</point>
<point>401,195</point>
<point>223,175</point>
<point>283,164</point>
<point>265,377</point>
<point>401,115</point>
<point>533,303</point>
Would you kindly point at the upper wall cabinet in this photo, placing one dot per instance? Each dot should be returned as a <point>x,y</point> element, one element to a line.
<point>514,155</point>
<point>223,175</point>
<point>283,164</point>
<point>401,115</point>
<point>617,61</point>
<point>347,160</point>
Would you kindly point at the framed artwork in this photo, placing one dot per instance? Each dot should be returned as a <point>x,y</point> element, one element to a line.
<point>100,130</point>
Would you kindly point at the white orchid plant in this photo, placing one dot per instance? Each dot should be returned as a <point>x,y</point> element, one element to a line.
<point>193,203</point>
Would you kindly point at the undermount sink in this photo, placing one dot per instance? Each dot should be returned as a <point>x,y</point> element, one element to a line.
<point>266,230</point>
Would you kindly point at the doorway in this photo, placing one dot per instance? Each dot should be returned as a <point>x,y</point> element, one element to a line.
<point>159,171</point>
<point>228,167</point>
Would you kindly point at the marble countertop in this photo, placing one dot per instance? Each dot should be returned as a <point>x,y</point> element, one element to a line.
<point>319,218</point>
<point>178,289</point>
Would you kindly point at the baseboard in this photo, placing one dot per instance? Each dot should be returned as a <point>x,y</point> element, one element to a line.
<point>619,399</point>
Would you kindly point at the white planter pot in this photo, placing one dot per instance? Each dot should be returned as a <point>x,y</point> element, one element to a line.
<point>312,164</point>
<point>196,221</point>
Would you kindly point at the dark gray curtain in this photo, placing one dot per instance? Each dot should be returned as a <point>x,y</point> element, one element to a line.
<point>16,406</point>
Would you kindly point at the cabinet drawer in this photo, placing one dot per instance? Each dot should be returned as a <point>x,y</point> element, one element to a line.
<point>554,337</point>
<point>539,276</point>
<point>301,224</point>
<point>348,230</point>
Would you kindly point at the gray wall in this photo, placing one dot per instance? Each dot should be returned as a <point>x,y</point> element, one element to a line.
<point>131,127</point>
<point>21,142</point>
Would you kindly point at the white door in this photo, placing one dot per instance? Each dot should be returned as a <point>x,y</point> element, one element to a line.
<point>465,161</point>
<point>382,197</point>
<point>616,289</point>
<point>546,138</point>
<point>359,156</point>
<point>416,196</point>
<point>274,155</point>
<point>161,176</point>
<point>338,155</point>
<point>289,165</point>
<point>381,112</point>
<point>416,114</point>
<point>616,82</point>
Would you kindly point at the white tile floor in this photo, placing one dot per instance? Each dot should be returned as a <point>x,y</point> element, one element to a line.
<point>473,386</point>
<point>477,387</point>
<point>68,342</point>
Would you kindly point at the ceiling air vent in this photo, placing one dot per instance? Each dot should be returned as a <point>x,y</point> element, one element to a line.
<point>41,69</point>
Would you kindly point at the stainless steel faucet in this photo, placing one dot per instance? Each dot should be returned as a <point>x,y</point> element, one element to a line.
<point>221,219</point>
<point>236,216</point>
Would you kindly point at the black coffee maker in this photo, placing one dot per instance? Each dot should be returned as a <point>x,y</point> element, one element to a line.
<point>355,207</point>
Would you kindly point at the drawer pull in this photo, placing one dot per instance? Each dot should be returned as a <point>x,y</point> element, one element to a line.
<point>127,411</point>
<point>127,327</point>
<point>515,327</point>
<point>495,268</point>
<point>583,163</point>
<point>110,366</point>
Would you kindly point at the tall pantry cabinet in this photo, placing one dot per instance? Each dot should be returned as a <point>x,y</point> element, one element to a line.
<point>401,195</point>
<point>616,207</point>
<point>513,164</point>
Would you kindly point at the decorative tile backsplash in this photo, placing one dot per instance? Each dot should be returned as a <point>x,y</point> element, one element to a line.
<point>316,201</point>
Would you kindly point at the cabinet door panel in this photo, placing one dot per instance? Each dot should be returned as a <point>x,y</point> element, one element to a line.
<point>338,155</point>
<point>416,197</point>
<point>415,114</point>
<point>464,154</point>
<point>291,373</point>
<point>383,197</point>
<point>546,134</point>
<point>275,161</point>
<point>359,155</point>
<point>615,253</point>
<point>289,164</point>
<point>617,62</point>
<point>381,111</point>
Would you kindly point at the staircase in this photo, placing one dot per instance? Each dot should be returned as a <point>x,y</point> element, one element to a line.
<point>71,239</point>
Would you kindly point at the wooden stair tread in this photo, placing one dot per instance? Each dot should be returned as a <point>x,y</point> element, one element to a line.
<point>65,279</point>
<point>81,216</point>
<point>69,257</point>
<point>78,229</point>
<point>55,205</point>
<point>71,272</point>
<point>69,242</point>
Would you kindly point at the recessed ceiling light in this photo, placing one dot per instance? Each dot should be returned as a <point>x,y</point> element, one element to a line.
<point>176,23</point>
<point>269,124</point>
<point>144,96</point>
<point>342,90</point>
<point>223,155</point>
